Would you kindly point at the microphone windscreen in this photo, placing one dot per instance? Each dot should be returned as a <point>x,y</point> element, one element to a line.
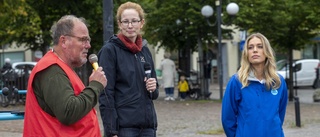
<point>93,58</point>
<point>147,66</point>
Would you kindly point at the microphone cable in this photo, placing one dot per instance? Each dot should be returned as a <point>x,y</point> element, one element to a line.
<point>153,115</point>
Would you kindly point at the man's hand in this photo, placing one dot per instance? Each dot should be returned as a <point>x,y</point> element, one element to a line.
<point>98,75</point>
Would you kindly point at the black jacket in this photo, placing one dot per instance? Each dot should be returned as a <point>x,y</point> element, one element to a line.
<point>5,67</point>
<point>126,103</point>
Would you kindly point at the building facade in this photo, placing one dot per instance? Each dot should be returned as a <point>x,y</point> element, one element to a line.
<point>16,54</point>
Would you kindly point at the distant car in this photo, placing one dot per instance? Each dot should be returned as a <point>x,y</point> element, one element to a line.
<point>21,67</point>
<point>304,72</point>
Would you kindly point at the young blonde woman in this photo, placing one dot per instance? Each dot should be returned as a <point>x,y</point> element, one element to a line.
<point>255,100</point>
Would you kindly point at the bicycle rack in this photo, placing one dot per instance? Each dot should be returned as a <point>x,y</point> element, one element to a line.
<point>11,115</point>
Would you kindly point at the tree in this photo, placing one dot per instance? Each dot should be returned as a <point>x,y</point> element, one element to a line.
<point>174,24</point>
<point>29,22</point>
<point>177,24</point>
<point>290,23</point>
<point>39,16</point>
<point>18,22</point>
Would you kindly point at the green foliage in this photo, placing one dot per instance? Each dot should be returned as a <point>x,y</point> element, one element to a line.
<point>162,26</point>
<point>18,22</point>
<point>287,24</point>
<point>27,21</point>
<point>91,10</point>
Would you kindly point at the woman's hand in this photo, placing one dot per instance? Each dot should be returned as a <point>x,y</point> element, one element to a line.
<point>151,84</point>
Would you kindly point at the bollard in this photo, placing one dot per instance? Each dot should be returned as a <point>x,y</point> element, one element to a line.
<point>5,91</point>
<point>297,111</point>
<point>5,100</point>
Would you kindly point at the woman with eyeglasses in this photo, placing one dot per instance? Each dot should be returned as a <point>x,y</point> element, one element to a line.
<point>126,106</point>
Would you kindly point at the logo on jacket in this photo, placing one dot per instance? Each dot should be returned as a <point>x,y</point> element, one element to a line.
<point>274,92</point>
<point>142,59</point>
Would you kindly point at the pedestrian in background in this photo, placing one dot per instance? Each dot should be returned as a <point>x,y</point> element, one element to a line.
<point>126,107</point>
<point>7,65</point>
<point>183,87</point>
<point>9,78</point>
<point>255,100</point>
<point>58,104</point>
<point>8,74</point>
<point>168,69</point>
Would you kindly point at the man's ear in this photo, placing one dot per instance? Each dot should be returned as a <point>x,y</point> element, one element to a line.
<point>62,41</point>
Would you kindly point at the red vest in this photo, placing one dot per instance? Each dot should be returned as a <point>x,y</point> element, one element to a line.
<point>38,123</point>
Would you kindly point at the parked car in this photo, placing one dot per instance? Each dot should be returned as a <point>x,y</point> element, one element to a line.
<point>21,67</point>
<point>304,72</point>
<point>13,80</point>
<point>23,71</point>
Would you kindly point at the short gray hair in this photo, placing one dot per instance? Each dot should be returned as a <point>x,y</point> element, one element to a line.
<point>64,26</point>
<point>166,55</point>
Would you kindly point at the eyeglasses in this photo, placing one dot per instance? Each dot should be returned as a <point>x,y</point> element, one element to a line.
<point>133,22</point>
<point>84,40</point>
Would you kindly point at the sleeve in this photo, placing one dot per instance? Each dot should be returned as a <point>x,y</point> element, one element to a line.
<point>60,90</point>
<point>109,116</point>
<point>230,105</point>
<point>284,100</point>
<point>155,94</point>
<point>174,70</point>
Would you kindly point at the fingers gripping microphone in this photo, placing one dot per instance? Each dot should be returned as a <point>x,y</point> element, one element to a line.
<point>93,59</point>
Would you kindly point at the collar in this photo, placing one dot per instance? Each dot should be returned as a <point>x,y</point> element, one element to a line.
<point>252,77</point>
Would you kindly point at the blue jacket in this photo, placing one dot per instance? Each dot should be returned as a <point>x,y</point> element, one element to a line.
<point>126,103</point>
<point>253,111</point>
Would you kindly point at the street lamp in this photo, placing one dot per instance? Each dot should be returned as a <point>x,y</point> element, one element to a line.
<point>207,11</point>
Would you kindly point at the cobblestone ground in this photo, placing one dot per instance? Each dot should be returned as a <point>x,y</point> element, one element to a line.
<point>194,118</point>
<point>197,118</point>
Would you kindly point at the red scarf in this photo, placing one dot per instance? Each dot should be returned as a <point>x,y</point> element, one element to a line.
<point>133,47</point>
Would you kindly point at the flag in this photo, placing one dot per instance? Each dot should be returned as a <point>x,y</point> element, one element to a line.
<point>243,35</point>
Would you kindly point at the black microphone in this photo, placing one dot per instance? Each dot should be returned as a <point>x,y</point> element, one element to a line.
<point>147,71</point>
<point>93,59</point>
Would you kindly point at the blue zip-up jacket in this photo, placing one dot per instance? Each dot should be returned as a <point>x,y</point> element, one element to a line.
<point>126,102</point>
<point>253,111</point>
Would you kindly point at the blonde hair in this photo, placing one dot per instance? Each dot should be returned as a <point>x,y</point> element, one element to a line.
<point>270,73</point>
<point>130,5</point>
